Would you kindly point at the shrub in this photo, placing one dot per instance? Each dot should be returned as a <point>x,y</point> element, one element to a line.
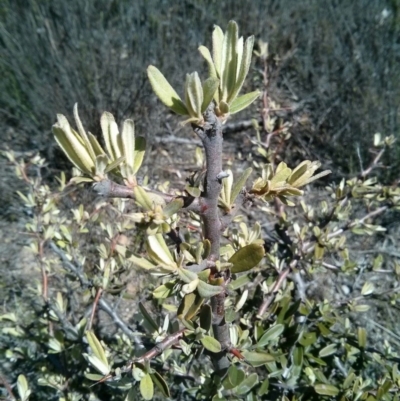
<point>226,311</point>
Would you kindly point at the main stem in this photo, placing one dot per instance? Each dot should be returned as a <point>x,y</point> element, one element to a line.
<point>212,139</point>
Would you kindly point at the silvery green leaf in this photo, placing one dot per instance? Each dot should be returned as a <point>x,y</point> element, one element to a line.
<point>207,290</point>
<point>326,389</point>
<point>173,207</point>
<point>101,164</point>
<point>105,122</point>
<point>243,101</point>
<point>190,287</point>
<point>243,68</point>
<point>240,183</point>
<point>97,348</point>
<point>195,93</point>
<point>98,364</point>
<point>82,132</point>
<point>128,143</point>
<point>211,344</point>
<point>189,306</point>
<point>247,257</point>
<point>165,92</point>
<point>225,194</point>
<point>229,60</point>
<point>161,384</point>
<point>257,358</point>
<point>23,388</point>
<point>141,262</point>
<point>270,335</point>
<point>98,150</point>
<point>147,387</point>
<point>112,166</point>
<point>140,147</point>
<point>146,316</point>
<point>224,107</point>
<point>217,42</point>
<point>211,67</point>
<point>158,251</point>
<point>210,87</point>
<point>247,384</point>
<point>142,198</point>
<point>73,149</point>
<point>186,275</point>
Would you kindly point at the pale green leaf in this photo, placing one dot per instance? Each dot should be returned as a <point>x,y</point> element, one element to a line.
<point>128,143</point>
<point>241,102</point>
<point>247,257</point>
<point>82,133</point>
<point>243,68</point>
<point>96,347</point>
<point>147,387</point>
<point>210,86</point>
<point>270,335</point>
<point>247,384</point>
<point>140,147</point>
<point>161,384</point>
<point>217,42</point>
<point>146,316</point>
<point>207,290</point>
<point>165,92</point>
<point>326,389</point>
<point>207,56</point>
<point>240,183</point>
<point>257,358</point>
<point>211,344</point>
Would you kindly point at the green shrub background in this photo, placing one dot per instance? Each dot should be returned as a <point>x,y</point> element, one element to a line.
<point>333,64</point>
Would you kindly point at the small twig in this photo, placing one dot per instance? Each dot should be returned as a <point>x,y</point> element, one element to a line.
<point>7,386</point>
<point>268,300</point>
<point>158,349</point>
<point>105,306</point>
<point>94,307</point>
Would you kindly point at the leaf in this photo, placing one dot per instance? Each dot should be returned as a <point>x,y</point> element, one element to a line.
<point>140,148</point>
<point>164,291</point>
<point>142,198</point>
<point>240,183</point>
<point>235,375</point>
<point>205,317</point>
<point>147,317</point>
<point>247,257</point>
<point>328,350</point>
<point>186,275</point>
<point>229,59</point>
<point>82,133</point>
<point>23,389</point>
<point>103,368</point>
<point>243,68</point>
<point>326,389</point>
<point>257,358</point>
<point>107,121</point>
<point>128,143</point>
<point>247,384</point>
<point>147,387</point>
<point>194,93</point>
<point>207,290</point>
<point>367,289</point>
<point>210,86</point>
<point>241,102</point>
<point>217,41</point>
<point>73,149</point>
<point>96,347</point>
<point>141,262</point>
<point>158,250</point>
<point>362,337</point>
<point>161,384</point>
<point>173,207</point>
<point>270,335</point>
<point>211,67</point>
<point>165,92</point>
<point>211,344</point>
<point>189,306</point>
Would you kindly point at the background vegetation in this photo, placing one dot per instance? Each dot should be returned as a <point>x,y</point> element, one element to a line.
<point>331,69</point>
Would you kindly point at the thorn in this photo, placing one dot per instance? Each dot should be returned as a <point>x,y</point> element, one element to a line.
<point>222,175</point>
